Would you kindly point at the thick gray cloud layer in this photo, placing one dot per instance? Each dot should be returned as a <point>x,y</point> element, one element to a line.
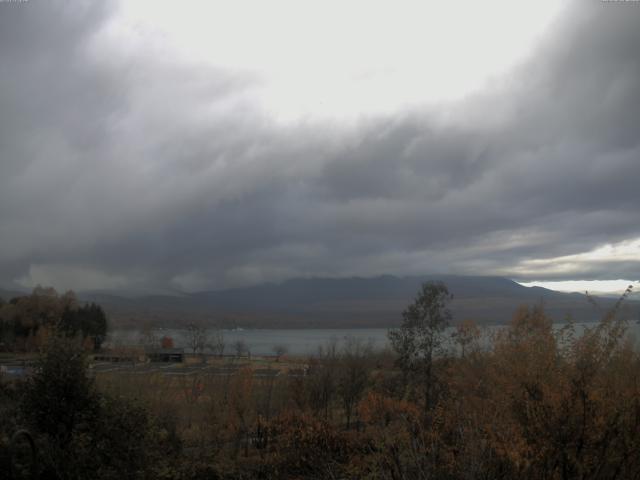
<point>123,168</point>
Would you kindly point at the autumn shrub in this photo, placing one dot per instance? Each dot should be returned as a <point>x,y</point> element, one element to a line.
<point>547,404</point>
<point>304,446</point>
<point>9,402</point>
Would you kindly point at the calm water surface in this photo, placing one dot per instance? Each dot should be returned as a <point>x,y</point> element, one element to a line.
<point>302,341</point>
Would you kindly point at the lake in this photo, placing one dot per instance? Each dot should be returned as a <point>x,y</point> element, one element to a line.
<point>300,341</point>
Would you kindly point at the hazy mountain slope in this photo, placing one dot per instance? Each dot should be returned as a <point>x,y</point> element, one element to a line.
<point>7,295</point>
<point>348,302</point>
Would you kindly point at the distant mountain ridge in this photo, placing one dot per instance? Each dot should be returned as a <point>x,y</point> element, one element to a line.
<point>345,302</point>
<point>8,294</point>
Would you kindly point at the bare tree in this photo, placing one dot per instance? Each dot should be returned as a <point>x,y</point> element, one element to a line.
<point>217,342</point>
<point>466,336</point>
<point>148,337</point>
<point>197,337</point>
<point>353,373</point>
<point>321,381</point>
<point>240,347</point>
<point>279,350</point>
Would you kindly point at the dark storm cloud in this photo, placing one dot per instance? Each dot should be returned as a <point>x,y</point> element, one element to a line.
<point>132,170</point>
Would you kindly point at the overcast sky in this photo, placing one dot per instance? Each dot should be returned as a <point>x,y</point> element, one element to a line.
<point>191,146</point>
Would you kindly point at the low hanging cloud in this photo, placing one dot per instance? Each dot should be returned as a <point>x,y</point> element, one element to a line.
<point>123,167</point>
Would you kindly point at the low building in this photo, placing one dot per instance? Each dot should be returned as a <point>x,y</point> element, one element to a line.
<point>167,355</point>
<point>119,355</point>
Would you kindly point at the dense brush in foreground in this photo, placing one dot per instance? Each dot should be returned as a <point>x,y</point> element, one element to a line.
<point>536,404</point>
